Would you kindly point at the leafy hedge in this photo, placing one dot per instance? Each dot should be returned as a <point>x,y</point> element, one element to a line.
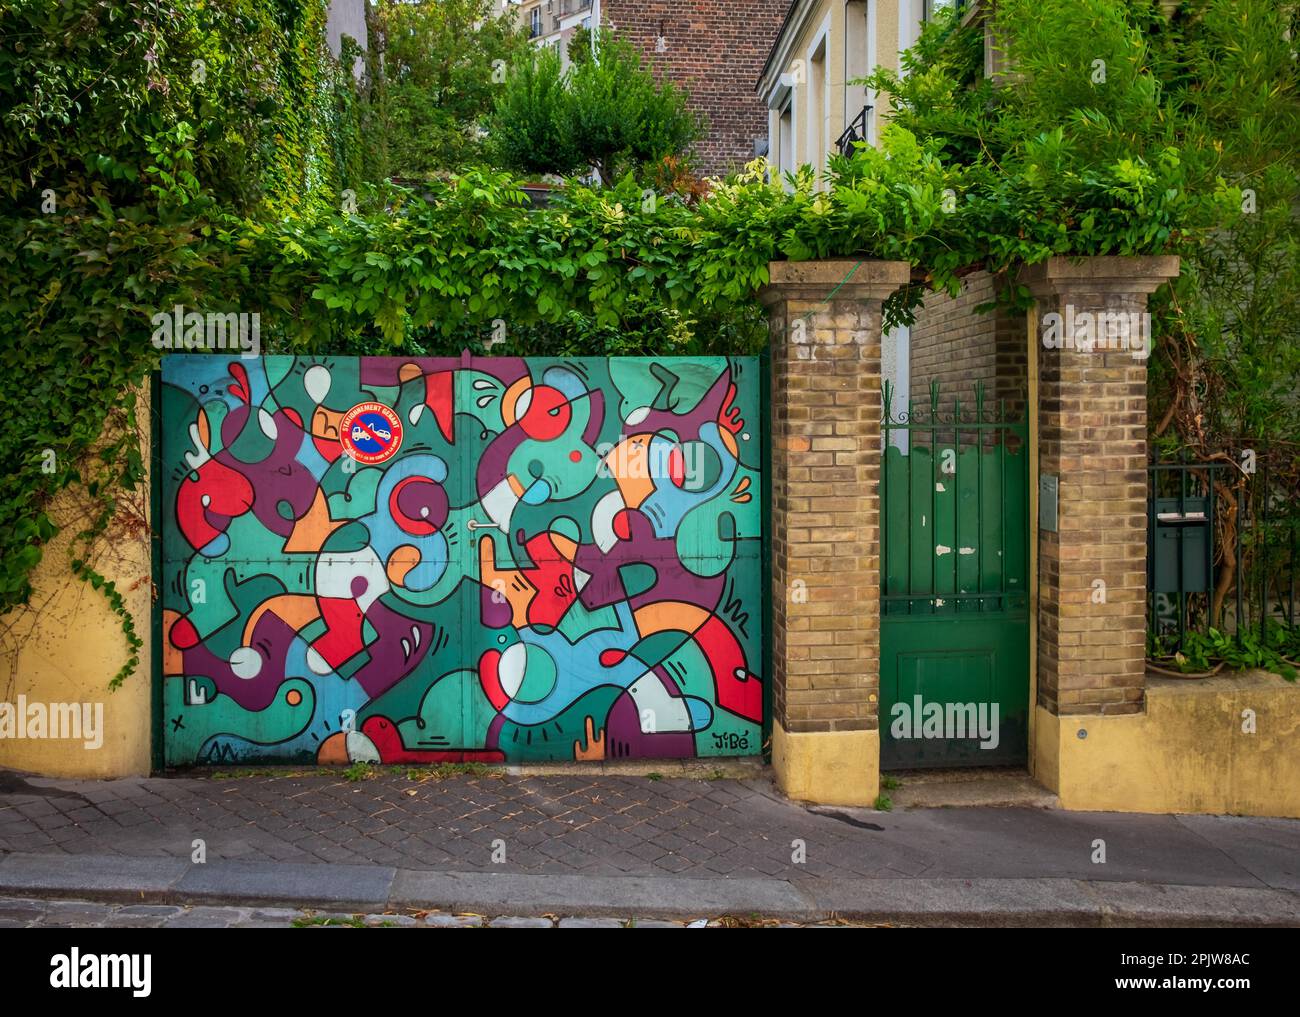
<point>225,196</point>
<point>1195,107</point>
<point>151,102</point>
<point>125,126</point>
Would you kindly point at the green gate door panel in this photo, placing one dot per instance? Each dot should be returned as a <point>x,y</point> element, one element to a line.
<point>949,661</point>
<point>954,658</point>
<point>418,560</point>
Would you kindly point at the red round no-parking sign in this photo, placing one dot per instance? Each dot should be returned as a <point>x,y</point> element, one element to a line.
<point>371,433</point>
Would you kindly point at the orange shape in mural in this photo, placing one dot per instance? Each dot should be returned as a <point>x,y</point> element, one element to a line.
<point>595,748</point>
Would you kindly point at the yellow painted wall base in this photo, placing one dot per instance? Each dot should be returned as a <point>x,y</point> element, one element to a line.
<point>65,647</point>
<point>1190,752</point>
<point>830,768</point>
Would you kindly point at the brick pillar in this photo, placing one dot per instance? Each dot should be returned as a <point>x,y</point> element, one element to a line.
<point>825,524</point>
<point>1092,427</point>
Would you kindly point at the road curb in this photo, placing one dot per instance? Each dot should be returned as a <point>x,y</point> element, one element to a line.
<point>900,901</point>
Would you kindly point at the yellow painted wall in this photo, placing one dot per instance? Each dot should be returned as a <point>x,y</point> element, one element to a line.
<point>68,645</point>
<point>1187,753</point>
<point>831,768</point>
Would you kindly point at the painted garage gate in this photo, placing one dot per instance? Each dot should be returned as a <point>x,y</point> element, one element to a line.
<point>404,560</point>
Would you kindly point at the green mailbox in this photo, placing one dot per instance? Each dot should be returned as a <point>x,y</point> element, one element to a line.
<point>1180,529</point>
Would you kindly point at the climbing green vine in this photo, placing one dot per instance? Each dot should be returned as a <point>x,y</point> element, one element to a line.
<point>135,187</point>
<point>125,126</point>
<point>1188,114</point>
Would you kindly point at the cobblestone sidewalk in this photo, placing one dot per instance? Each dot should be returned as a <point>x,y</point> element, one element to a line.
<point>598,826</point>
<point>602,825</point>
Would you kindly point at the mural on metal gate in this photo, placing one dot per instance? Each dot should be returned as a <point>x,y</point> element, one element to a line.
<point>418,561</point>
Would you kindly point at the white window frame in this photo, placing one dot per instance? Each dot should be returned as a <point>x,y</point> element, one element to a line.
<point>820,40</point>
<point>779,103</point>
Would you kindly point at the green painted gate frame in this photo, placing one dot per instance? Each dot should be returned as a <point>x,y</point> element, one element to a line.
<point>155,562</point>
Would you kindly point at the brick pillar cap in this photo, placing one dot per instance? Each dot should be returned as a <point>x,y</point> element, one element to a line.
<point>1100,274</point>
<point>856,279</point>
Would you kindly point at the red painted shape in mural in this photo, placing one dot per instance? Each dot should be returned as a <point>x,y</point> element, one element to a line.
<point>438,391</point>
<point>489,677</point>
<point>729,416</point>
<point>240,389</point>
<point>329,448</point>
<point>739,690</point>
<point>548,414</point>
<point>183,634</point>
<point>228,493</point>
<point>388,740</point>
<point>341,640</point>
<point>552,577</point>
<point>409,523</point>
<point>677,466</point>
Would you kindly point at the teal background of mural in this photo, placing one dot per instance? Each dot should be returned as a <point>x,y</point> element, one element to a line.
<point>562,559</point>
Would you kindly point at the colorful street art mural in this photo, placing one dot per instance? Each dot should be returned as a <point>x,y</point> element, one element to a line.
<point>416,561</point>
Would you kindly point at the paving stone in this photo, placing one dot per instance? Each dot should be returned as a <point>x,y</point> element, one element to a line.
<point>590,923</point>
<point>440,921</point>
<point>121,921</point>
<point>151,910</point>
<point>395,921</point>
<point>200,922</point>
<point>653,923</point>
<point>62,913</point>
<point>21,911</point>
<point>275,914</point>
<point>520,923</point>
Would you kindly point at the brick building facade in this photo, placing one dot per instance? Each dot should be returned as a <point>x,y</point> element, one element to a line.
<point>713,50</point>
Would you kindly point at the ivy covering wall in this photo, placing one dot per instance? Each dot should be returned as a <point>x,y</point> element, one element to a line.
<point>199,153</point>
<point>129,128</point>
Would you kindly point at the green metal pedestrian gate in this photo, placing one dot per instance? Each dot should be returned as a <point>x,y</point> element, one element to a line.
<point>409,560</point>
<point>954,656</point>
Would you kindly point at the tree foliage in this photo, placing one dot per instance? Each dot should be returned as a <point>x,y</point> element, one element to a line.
<point>1195,112</point>
<point>606,112</point>
<point>436,68</point>
<point>128,128</point>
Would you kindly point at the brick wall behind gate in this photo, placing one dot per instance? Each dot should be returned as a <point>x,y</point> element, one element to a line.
<point>954,345</point>
<point>715,51</point>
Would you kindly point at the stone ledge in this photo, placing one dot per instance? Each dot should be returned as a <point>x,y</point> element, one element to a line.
<point>856,279</point>
<point>1100,274</point>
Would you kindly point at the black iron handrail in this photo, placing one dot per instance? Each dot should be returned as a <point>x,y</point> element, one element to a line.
<point>855,132</point>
